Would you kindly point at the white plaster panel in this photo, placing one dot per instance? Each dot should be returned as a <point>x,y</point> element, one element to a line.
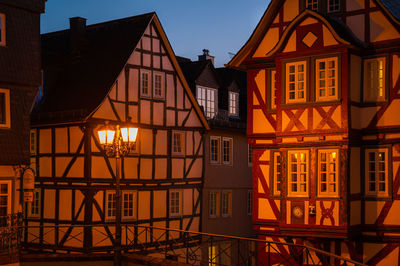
<point>156,45</point>
<point>133,85</point>
<point>146,43</point>
<point>177,168</point>
<point>133,113</point>
<point>166,64</point>
<point>146,141</point>
<point>49,206</point>
<point>121,87</point>
<point>145,112</point>
<point>197,141</point>
<point>146,166</point>
<point>170,118</point>
<point>180,92</point>
<point>161,142</point>
<point>196,170</point>
<point>181,117</point>
<point>146,60</point>
<point>99,167</point>
<point>188,201</point>
<point>65,199</point>
<point>61,164</point>
<point>45,167</point>
<point>160,199</point>
<point>156,61</point>
<point>144,203</point>
<point>130,167</point>
<point>61,140</point>
<point>161,168</point>
<point>45,141</point>
<point>189,143</point>
<point>170,94</point>
<point>158,113</point>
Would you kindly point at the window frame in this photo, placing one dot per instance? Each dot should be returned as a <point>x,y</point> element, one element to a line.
<point>209,112</point>
<point>274,174</point>
<point>249,155</point>
<point>366,88</point>
<point>35,204</point>
<point>296,194</point>
<point>149,81</point>
<point>107,216</point>
<point>218,139</point>
<point>313,2</point>
<point>328,6</point>
<point>6,110</point>
<point>9,194</point>
<point>162,84</point>
<point>215,213</point>
<point>272,89</point>
<point>180,203</point>
<point>249,202</point>
<point>226,206</point>
<point>388,172</point>
<point>233,103</point>
<point>134,205</point>
<point>296,63</point>
<point>3,29</point>
<point>182,143</point>
<point>336,79</point>
<point>328,194</point>
<point>230,155</point>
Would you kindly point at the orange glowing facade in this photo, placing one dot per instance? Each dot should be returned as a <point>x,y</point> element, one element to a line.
<point>323,104</point>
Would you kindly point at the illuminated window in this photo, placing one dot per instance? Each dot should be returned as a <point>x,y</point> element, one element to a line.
<point>249,202</point>
<point>333,5</point>
<point>207,98</point>
<point>327,78</point>
<point>34,207</point>
<point>175,203</point>
<point>273,89</point>
<point>298,173</point>
<point>128,204</point>
<point>277,174</point>
<point>296,82</point>
<point>5,198</point>
<point>5,120</point>
<point>233,103</point>
<point>227,149</point>
<point>2,29</point>
<point>212,255</point>
<point>145,83</point>
<point>214,204</point>
<point>312,4</point>
<point>226,204</point>
<point>374,79</point>
<point>376,172</point>
<point>249,155</point>
<point>328,172</point>
<point>215,149</point>
<point>178,142</point>
<point>158,88</point>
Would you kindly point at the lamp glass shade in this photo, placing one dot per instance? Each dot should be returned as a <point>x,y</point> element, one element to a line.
<point>129,134</point>
<point>106,136</point>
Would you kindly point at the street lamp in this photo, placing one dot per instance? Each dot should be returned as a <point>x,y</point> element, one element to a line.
<point>117,142</point>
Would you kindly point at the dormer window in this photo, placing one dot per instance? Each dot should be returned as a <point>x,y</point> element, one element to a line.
<point>2,29</point>
<point>333,5</point>
<point>233,103</point>
<point>207,98</point>
<point>312,5</point>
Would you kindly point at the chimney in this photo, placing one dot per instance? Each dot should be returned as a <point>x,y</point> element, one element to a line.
<point>206,56</point>
<point>77,27</point>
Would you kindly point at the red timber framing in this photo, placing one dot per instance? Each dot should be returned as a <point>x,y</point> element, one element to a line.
<point>348,141</point>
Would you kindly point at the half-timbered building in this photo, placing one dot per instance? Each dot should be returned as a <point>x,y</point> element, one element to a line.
<point>221,92</point>
<point>20,79</point>
<point>117,71</point>
<point>323,103</point>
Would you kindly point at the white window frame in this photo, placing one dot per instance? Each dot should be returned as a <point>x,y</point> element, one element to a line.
<point>374,80</point>
<point>162,85</point>
<point>178,147</point>
<point>330,158</point>
<point>299,82</point>
<point>312,5</point>
<point>333,5</point>
<point>249,202</point>
<point>213,204</point>
<point>302,173</point>
<point>377,172</point>
<point>224,151</point>
<point>142,73</point>
<point>277,173</point>
<point>218,151</point>
<point>8,194</point>
<point>172,201</point>
<point>226,203</point>
<point>34,207</point>
<point>128,216</point>
<point>113,209</point>
<point>3,28</point>
<point>273,89</point>
<point>325,80</point>
<point>203,96</point>
<point>249,155</point>
<point>233,103</point>
<point>33,141</point>
<point>7,114</point>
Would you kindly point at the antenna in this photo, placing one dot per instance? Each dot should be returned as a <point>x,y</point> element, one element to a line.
<point>231,55</point>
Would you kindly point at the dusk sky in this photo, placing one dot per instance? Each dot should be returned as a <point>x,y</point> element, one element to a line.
<point>222,26</point>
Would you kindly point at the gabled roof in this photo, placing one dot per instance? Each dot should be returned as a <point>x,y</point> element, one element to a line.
<point>76,83</point>
<point>192,70</point>
<point>390,6</point>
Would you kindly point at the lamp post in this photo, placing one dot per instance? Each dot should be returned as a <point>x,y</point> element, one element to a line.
<point>117,142</point>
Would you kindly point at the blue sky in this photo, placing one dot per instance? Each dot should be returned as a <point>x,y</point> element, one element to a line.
<point>222,26</point>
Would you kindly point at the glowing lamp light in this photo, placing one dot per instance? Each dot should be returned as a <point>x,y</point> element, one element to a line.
<point>129,134</point>
<point>334,155</point>
<point>106,136</point>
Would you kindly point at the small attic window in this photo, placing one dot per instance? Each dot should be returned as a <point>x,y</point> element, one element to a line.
<point>312,5</point>
<point>233,103</point>
<point>333,6</point>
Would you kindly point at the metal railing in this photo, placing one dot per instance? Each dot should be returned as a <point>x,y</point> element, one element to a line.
<point>185,246</point>
<point>10,236</point>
